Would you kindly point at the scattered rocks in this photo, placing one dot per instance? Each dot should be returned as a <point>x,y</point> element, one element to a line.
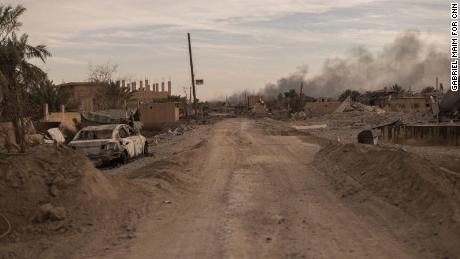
<point>50,212</point>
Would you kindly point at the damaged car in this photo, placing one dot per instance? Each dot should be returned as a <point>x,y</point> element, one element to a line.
<point>105,144</point>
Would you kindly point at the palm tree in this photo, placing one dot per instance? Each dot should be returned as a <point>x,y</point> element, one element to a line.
<point>9,20</point>
<point>17,74</point>
<point>47,92</point>
<point>8,24</point>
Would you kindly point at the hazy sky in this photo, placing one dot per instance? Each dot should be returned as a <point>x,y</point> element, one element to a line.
<point>237,44</point>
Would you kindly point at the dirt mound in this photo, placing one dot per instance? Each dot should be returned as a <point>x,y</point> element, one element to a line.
<point>405,180</point>
<point>54,190</point>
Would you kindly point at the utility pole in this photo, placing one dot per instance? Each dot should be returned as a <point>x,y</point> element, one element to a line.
<point>193,75</point>
<point>185,106</point>
<point>437,84</point>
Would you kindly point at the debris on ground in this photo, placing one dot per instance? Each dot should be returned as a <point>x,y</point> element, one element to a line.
<point>356,106</point>
<point>56,135</point>
<point>299,116</point>
<point>347,125</point>
<point>171,133</point>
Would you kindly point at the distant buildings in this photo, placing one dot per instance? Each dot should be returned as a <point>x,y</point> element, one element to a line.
<point>256,104</point>
<point>150,100</point>
<point>83,95</point>
<point>390,100</point>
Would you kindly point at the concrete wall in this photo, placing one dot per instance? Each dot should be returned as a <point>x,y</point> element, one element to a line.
<point>157,114</point>
<point>321,108</point>
<point>422,135</point>
<point>65,118</point>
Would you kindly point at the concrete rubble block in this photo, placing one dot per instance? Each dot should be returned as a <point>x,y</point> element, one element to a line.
<point>56,135</point>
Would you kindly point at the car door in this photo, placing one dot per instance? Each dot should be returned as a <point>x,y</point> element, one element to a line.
<point>138,143</point>
<point>126,141</point>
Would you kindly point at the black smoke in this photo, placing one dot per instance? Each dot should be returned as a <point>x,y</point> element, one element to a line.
<point>407,61</point>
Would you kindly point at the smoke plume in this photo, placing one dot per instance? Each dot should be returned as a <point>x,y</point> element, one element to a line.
<point>408,61</point>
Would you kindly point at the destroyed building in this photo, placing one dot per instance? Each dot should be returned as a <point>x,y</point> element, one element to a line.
<point>390,100</point>
<point>321,106</point>
<point>145,92</point>
<point>83,95</point>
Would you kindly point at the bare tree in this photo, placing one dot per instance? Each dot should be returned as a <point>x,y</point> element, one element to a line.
<point>102,72</point>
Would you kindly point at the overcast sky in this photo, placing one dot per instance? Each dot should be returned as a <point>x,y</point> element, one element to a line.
<point>237,44</point>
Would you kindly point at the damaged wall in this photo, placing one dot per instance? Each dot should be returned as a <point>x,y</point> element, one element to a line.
<point>421,135</point>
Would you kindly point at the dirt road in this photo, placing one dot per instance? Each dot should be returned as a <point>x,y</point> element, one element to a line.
<point>257,196</point>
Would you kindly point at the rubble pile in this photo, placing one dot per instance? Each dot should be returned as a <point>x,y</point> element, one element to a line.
<point>356,106</point>
<point>32,136</point>
<point>171,133</point>
<point>345,126</point>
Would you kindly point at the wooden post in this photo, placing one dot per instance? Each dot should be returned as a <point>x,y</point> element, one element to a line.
<point>45,112</point>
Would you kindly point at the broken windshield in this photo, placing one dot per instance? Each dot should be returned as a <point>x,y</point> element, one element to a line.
<point>94,134</point>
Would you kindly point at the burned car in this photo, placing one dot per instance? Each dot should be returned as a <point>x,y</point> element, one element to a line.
<point>110,143</point>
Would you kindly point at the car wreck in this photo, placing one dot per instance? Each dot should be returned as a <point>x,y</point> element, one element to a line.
<point>106,144</point>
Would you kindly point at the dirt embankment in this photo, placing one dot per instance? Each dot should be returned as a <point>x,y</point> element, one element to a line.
<point>427,197</point>
<point>53,196</point>
<point>409,194</point>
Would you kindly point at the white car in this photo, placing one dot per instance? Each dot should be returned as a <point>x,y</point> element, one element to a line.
<point>107,143</point>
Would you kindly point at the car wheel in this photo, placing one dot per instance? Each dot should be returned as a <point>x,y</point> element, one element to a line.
<point>124,157</point>
<point>146,149</point>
